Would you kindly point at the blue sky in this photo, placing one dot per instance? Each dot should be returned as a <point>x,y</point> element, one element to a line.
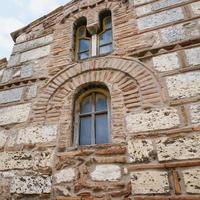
<point>15,14</point>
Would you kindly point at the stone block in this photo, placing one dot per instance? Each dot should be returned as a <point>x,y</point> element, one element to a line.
<point>140,2</point>
<point>35,53</point>
<point>26,71</point>
<point>31,184</point>
<point>161,18</point>
<point>178,148</point>
<point>154,119</point>
<point>140,150</point>
<point>107,172</point>
<point>26,160</point>
<point>146,9</point>
<point>195,113</point>
<point>65,175</point>
<point>166,62</point>
<point>193,56</point>
<point>196,8</point>
<point>11,95</point>
<point>7,75</point>
<point>36,134</point>
<point>25,46</point>
<point>149,182</point>
<point>14,114</point>
<point>32,92</point>
<point>3,138</point>
<point>192,180</point>
<point>184,85</point>
<point>14,60</point>
<point>179,32</point>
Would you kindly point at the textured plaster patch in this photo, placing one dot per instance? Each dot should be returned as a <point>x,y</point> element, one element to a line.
<point>65,175</point>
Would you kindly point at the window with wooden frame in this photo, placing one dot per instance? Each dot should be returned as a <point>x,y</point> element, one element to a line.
<point>83,43</point>
<point>105,36</point>
<point>92,121</point>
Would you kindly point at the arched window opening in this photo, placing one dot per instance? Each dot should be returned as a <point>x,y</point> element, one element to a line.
<point>105,35</point>
<point>82,40</point>
<point>92,117</point>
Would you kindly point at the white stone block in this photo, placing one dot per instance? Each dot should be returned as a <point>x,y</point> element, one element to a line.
<point>184,85</point>
<point>193,56</point>
<point>31,185</point>
<point>35,53</point>
<point>195,113</point>
<point>178,148</point>
<point>14,114</point>
<point>196,8</point>
<point>166,62</point>
<point>140,150</point>
<point>161,18</point>
<point>3,138</point>
<point>154,119</point>
<point>65,175</point>
<point>192,180</point>
<point>106,172</point>
<point>149,182</point>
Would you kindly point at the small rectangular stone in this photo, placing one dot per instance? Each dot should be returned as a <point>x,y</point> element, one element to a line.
<point>146,9</point>
<point>196,8</point>
<point>192,180</point>
<point>25,46</point>
<point>14,114</point>
<point>26,71</point>
<point>178,148</point>
<point>140,150</point>
<point>166,62</point>
<point>154,119</point>
<point>31,185</point>
<point>149,182</point>
<point>195,113</point>
<point>161,18</point>
<point>139,2</point>
<point>184,85</point>
<point>193,56</point>
<point>36,134</point>
<point>65,175</point>
<point>35,53</point>
<point>32,92</point>
<point>3,138</point>
<point>12,95</point>
<point>179,32</point>
<point>7,75</point>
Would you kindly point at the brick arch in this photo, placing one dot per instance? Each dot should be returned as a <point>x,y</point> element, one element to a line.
<point>140,88</point>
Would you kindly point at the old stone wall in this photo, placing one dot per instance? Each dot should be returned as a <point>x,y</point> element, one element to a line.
<point>153,76</point>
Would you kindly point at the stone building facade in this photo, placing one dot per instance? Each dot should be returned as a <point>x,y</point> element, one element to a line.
<point>152,76</point>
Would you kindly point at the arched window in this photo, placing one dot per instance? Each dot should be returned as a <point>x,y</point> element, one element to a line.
<point>105,38</point>
<point>92,118</point>
<point>82,40</point>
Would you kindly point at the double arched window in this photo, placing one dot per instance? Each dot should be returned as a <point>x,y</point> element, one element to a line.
<point>99,43</point>
<point>92,118</point>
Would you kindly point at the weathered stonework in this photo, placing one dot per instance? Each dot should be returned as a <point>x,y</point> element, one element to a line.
<point>106,173</point>
<point>151,79</point>
<point>178,148</point>
<point>150,182</point>
<point>184,85</point>
<point>14,114</point>
<point>31,185</point>
<point>192,180</point>
<point>154,119</point>
<point>140,150</point>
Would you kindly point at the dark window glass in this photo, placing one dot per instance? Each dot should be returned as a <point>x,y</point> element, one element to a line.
<point>101,102</point>
<point>106,49</point>
<point>85,130</point>
<point>81,32</point>
<point>108,24</point>
<point>106,38</point>
<point>93,120</point>
<point>86,105</point>
<point>101,129</point>
<point>84,45</point>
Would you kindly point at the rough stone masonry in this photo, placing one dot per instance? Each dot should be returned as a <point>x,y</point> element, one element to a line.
<point>153,77</point>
